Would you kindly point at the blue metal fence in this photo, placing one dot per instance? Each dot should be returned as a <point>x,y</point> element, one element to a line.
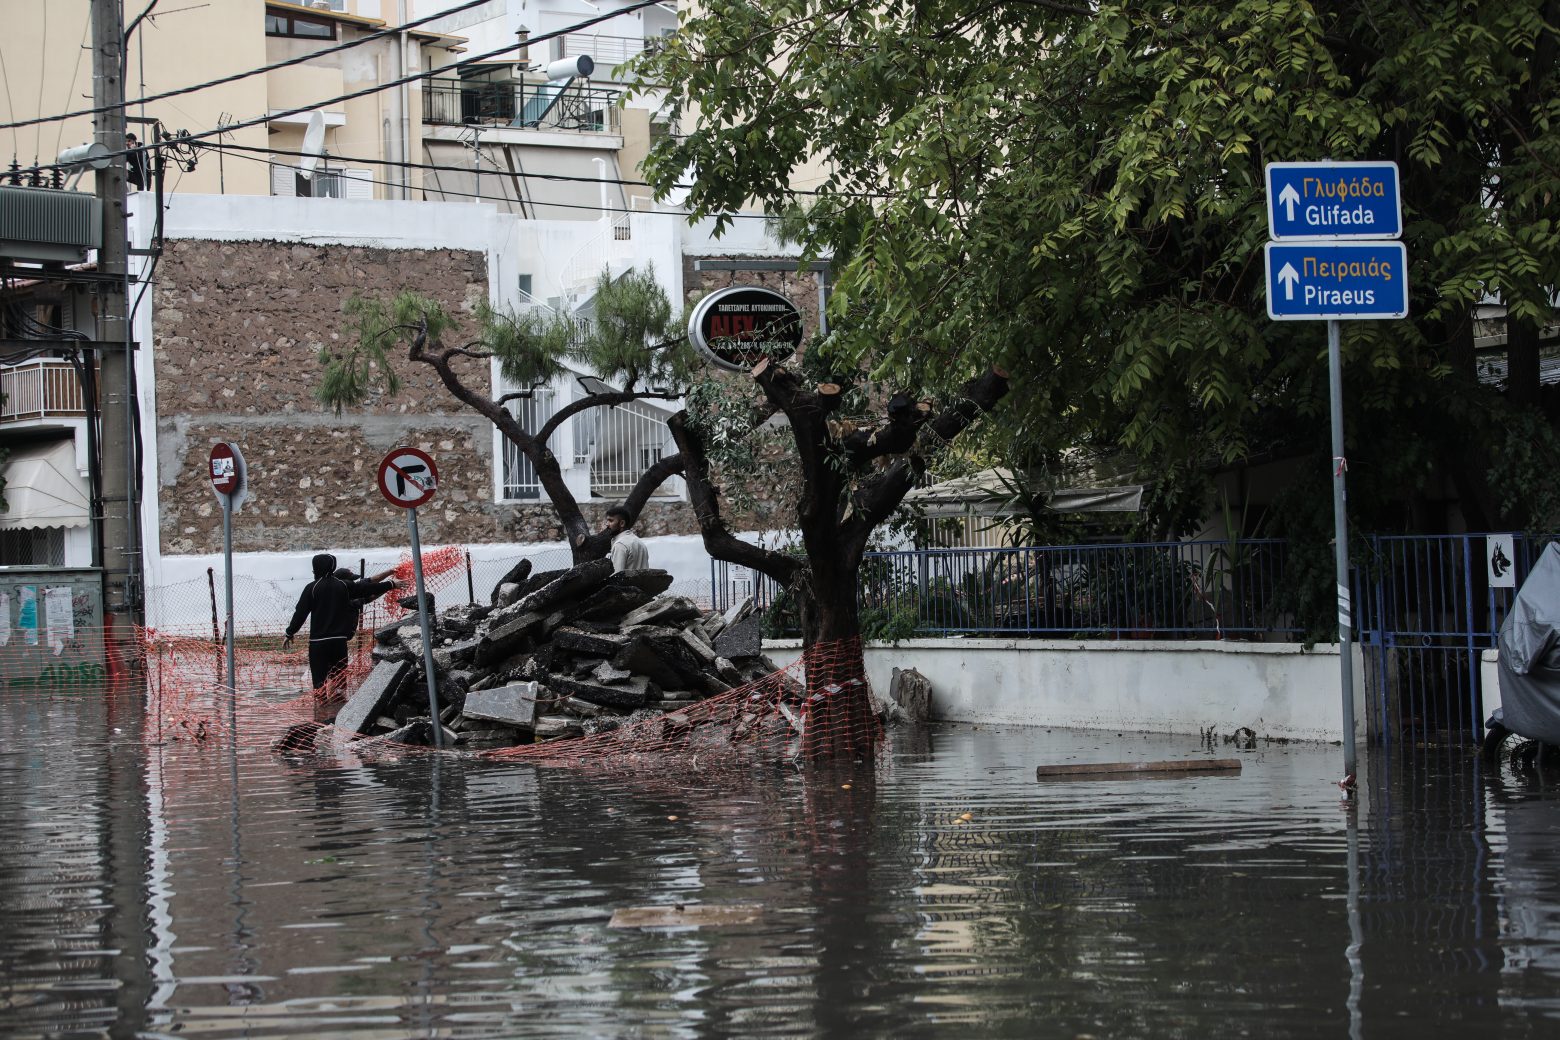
<point>1426,615</point>
<point>1164,590</point>
<point>1424,607</point>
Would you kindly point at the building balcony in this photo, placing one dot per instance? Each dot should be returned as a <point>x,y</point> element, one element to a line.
<point>527,106</point>
<point>34,392</point>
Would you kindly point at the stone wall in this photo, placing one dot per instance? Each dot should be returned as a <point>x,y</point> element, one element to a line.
<point>773,494</point>
<point>238,327</point>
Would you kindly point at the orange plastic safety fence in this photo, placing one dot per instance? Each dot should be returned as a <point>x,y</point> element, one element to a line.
<point>818,708</point>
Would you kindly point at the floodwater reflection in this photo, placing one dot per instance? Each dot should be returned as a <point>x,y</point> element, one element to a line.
<point>220,890</point>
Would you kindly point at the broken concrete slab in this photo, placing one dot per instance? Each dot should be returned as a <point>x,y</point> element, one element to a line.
<point>610,603</point>
<point>652,581</point>
<point>632,694</point>
<point>514,576</point>
<point>912,691</point>
<point>513,705</point>
<point>455,655</point>
<point>668,610</point>
<point>503,641</point>
<point>606,674</point>
<point>590,644</point>
<point>572,584</point>
<point>555,727</point>
<point>743,639</point>
<point>374,696</point>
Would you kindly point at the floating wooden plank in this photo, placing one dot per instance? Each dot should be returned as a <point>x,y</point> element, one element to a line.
<point>1144,770</point>
<point>691,915</point>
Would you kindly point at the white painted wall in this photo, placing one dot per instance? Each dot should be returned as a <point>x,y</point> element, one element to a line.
<point>1276,689</point>
<point>512,246</point>
<point>267,585</point>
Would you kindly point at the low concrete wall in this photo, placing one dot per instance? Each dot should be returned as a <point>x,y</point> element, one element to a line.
<point>1276,689</point>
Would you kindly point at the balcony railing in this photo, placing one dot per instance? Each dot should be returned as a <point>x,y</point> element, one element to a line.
<point>534,106</point>
<point>606,50</point>
<point>629,439</point>
<point>40,390</point>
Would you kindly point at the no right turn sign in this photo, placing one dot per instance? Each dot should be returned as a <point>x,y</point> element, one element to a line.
<point>408,478</point>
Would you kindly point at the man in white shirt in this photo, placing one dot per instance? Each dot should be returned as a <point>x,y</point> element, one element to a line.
<point>628,551</point>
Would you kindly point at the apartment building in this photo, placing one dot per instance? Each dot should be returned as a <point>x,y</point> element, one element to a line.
<point>497,179</point>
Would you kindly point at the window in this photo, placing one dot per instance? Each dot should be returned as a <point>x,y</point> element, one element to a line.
<point>33,547</point>
<point>328,182</point>
<point>308,27</point>
<point>520,480</point>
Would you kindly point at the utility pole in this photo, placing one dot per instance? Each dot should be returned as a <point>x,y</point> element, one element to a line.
<point>121,545</point>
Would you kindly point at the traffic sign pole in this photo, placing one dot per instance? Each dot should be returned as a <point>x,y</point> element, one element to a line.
<point>227,588</point>
<point>427,634</point>
<point>1341,545</point>
<point>408,478</point>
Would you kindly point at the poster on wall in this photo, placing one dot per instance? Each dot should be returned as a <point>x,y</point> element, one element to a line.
<point>59,621</point>
<point>27,614</point>
<point>5,618</point>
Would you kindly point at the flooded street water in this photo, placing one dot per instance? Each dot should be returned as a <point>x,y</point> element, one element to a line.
<point>184,890</point>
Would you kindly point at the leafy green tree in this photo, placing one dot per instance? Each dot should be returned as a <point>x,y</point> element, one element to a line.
<point>1074,191</point>
<point>625,345</point>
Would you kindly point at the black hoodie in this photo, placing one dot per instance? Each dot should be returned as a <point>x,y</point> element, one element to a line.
<point>327,603</point>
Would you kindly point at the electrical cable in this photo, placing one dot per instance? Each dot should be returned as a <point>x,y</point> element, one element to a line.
<point>480,197</point>
<point>578,178</point>
<point>43,69</point>
<point>86,30</point>
<point>271,117</point>
<point>299,60</point>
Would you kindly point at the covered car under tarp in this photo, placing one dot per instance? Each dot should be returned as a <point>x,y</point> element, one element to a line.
<point>1529,659</point>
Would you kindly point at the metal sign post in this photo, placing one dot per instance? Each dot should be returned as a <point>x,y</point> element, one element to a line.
<point>229,479</point>
<point>408,478</point>
<point>1318,269</point>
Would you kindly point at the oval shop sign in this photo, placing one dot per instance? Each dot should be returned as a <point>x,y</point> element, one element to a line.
<point>738,327</point>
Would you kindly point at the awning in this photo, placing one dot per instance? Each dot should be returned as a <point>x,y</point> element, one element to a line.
<point>989,493</point>
<point>43,488</point>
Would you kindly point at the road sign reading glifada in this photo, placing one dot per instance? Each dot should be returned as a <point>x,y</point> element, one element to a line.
<point>740,326</point>
<point>1333,200</point>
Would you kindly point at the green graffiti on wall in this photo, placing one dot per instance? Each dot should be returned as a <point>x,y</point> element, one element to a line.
<point>81,676</point>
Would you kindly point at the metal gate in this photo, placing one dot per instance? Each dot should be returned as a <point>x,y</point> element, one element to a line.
<point>1427,614</point>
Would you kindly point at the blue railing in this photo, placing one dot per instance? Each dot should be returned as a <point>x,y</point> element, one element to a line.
<point>1426,614</point>
<point>1166,590</point>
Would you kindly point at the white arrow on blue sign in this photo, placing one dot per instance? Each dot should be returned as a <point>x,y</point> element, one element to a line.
<point>1333,200</point>
<point>1312,281</point>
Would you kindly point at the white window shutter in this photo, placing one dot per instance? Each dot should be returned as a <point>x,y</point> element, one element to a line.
<point>357,184</point>
<point>284,179</point>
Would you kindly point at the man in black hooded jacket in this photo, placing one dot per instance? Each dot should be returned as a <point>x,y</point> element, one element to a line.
<point>328,603</point>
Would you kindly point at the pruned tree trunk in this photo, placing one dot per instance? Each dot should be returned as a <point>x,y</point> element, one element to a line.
<point>849,486</point>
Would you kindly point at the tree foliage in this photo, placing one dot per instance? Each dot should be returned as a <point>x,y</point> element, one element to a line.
<point>624,343</point>
<point>1075,191</point>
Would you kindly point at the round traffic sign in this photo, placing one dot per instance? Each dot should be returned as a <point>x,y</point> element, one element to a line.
<point>227,469</point>
<point>408,478</point>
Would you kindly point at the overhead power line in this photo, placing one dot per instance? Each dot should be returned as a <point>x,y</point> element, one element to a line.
<point>366,91</point>
<point>378,34</point>
<point>568,177</point>
<point>482,197</point>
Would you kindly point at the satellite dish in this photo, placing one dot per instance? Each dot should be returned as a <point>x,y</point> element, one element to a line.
<point>313,144</point>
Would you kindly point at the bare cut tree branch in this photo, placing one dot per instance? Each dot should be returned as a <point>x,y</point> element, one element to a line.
<point>550,427</point>
<point>651,479</point>
<point>705,499</point>
<point>548,473</point>
<point>877,500</point>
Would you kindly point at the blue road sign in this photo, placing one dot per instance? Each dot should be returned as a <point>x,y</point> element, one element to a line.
<point>1333,200</point>
<point>1311,281</point>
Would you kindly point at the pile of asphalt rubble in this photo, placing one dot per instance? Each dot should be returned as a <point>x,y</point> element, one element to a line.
<point>555,654</point>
